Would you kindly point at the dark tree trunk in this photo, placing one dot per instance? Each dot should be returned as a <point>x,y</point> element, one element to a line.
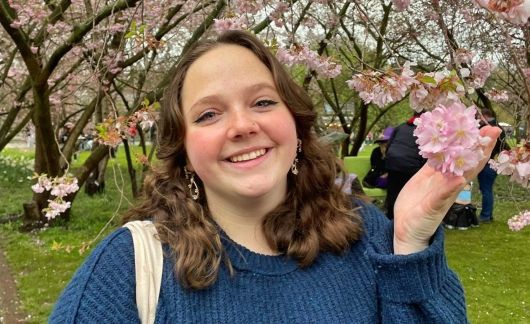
<point>361,132</point>
<point>47,155</point>
<point>95,183</point>
<point>130,168</point>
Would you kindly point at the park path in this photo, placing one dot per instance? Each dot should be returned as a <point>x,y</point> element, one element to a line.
<point>8,294</point>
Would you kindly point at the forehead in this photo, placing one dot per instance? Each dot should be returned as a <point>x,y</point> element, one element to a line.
<point>221,69</point>
<point>226,56</point>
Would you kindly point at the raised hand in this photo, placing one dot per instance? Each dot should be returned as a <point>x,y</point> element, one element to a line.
<point>426,198</point>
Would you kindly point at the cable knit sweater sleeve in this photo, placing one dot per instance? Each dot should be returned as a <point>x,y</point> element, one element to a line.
<point>415,288</point>
<point>103,289</point>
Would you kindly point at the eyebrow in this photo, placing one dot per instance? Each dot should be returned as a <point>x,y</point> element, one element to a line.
<point>214,98</point>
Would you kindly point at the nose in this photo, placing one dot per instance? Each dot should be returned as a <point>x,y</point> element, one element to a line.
<point>242,124</point>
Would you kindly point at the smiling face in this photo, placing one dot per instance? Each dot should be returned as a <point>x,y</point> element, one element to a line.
<point>240,136</point>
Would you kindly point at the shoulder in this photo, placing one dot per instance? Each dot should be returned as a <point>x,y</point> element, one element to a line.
<point>110,254</point>
<point>117,246</point>
<point>105,281</point>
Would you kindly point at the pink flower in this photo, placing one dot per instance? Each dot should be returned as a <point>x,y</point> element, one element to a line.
<point>514,163</point>
<point>37,188</point>
<point>222,25</point>
<point>518,14</point>
<point>460,159</point>
<point>277,13</point>
<point>323,66</point>
<point>401,5</point>
<point>480,72</point>
<point>417,95</point>
<point>481,3</point>
<point>248,6</point>
<point>382,89</point>
<point>16,24</point>
<point>518,222</point>
<point>514,11</point>
<point>132,131</point>
<point>449,138</point>
<point>64,186</point>
<point>60,187</point>
<point>498,95</point>
<point>56,207</point>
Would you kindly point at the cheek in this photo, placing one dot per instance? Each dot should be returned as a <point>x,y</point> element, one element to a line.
<point>201,150</point>
<point>283,130</point>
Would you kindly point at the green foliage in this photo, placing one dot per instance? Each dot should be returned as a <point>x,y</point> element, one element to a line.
<point>490,260</point>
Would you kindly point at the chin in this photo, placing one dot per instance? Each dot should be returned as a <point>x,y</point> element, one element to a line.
<point>264,190</point>
<point>254,193</point>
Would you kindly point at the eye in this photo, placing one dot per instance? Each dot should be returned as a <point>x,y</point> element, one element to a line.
<point>265,103</point>
<point>208,115</point>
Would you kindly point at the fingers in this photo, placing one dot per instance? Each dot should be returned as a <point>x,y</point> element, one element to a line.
<point>493,133</point>
<point>451,187</point>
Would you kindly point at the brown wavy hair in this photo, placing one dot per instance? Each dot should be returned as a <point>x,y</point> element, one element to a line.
<point>314,217</point>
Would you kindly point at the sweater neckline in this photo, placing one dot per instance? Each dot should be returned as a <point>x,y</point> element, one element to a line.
<point>244,259</point>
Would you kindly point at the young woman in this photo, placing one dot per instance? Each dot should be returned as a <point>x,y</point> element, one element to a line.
<point>253,228</point>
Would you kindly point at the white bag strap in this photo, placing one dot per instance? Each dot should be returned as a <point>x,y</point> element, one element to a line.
<point>148,260</point>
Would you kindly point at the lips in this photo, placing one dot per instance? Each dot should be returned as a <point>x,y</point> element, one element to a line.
<point>247,156</point>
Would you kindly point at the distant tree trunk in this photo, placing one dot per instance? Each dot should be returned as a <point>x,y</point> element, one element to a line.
<point>95,183</point>
<point>361,131</point>
<point>130,168</point>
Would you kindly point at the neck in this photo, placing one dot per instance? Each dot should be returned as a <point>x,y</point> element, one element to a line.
<point>242,219</point>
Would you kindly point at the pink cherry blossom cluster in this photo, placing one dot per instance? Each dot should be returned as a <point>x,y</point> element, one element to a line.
<point>449,138</point>
<point>59,187</point>
<point>401,5</point>
<point>235,23</point>
<point>498,95</point>
<point>514,11</point>
<point>382,88</point>
<point>303,55</point>
<point>426,90</point>
<point>277,14</point>
<point>60,30</point>
<point>520,221</point>
<point>248,6</point>
<point>480,72</point>
<point>30,12</point>
<point>514,163</point>
<point>146,117</point>
<point>112,131</point>
<point>112,62</point>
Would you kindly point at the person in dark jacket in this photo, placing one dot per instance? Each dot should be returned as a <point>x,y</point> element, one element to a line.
<point>486,177</point>
<point>377,177</point>
<point>403,160</point>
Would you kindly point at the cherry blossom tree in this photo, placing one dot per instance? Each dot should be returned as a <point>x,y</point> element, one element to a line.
<point>82,61</point>
<point>104,65</point>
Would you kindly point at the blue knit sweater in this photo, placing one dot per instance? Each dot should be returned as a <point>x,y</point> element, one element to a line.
<point>366,284</point>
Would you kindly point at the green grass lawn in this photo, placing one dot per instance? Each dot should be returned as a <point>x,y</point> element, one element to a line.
<point>44,261</point>
<point>492,261</point>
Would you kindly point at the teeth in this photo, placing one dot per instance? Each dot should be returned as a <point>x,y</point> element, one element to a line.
<point>247,156</point>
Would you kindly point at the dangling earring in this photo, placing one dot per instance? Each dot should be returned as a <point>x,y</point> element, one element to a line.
<point>294,167</point>
<point>192,185</point>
